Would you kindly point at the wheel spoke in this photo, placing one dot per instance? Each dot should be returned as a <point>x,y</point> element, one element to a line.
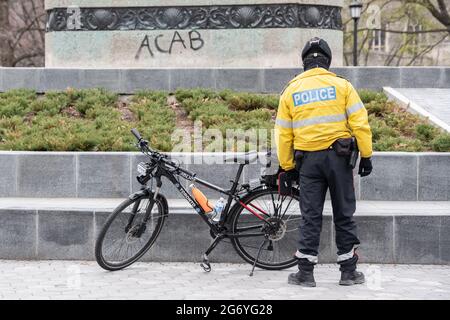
<point>282,216</point>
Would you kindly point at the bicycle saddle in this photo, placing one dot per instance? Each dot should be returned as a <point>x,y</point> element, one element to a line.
<point>242,158</point>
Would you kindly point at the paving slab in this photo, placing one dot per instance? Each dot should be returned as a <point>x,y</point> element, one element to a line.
<point>166,281</point>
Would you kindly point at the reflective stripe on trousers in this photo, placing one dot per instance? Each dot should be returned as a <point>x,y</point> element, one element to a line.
<point>348,255</point>
<point>312,259</point>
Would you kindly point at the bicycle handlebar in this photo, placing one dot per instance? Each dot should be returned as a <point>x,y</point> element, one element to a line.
<point>136,133</point>
<point>143,145</point>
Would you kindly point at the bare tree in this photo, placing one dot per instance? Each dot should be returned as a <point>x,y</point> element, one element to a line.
<point>6,53</point>
<point>22,33</point>
<point>439,9</point>
<point>408,48</point>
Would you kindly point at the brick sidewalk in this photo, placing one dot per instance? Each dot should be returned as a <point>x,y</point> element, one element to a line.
<point>85,280</point>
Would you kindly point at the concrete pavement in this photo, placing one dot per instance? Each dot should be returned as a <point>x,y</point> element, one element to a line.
<point>435,101</point>
<point>431,103</point>
<point>57,280</point>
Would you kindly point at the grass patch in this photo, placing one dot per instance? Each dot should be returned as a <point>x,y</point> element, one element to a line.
<point>98,120</point>
<point>228,110</point>
<point>80,120</point>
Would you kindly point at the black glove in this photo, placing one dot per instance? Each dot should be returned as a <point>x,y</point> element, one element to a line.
<point>292,174</point>
<point>365,167</point>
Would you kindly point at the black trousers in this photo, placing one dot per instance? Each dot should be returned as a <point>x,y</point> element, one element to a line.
<point>319,171</point>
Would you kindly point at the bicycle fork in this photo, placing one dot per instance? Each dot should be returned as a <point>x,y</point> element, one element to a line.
<point>148,212</point>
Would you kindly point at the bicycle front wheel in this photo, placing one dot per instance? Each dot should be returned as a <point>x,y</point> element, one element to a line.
<point>276,236</point>
<point>122,240</point>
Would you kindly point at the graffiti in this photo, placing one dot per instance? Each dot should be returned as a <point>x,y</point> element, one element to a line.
<point>192,40</point>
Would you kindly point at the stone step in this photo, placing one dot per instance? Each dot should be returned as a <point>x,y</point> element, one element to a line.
<point>390,231</point>
<point>364,207</point>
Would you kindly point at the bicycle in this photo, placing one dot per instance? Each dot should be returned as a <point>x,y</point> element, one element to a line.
<point>255,218</point>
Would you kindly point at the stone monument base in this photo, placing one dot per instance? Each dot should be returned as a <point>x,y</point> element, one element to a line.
<point>203,34</point>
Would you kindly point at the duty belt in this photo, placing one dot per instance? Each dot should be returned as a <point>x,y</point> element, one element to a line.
<point>327,149</point>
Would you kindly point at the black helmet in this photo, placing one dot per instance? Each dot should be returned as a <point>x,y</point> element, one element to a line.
<point>317,45</point>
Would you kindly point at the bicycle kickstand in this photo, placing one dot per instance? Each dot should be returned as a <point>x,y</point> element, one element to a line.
<point>205,264</point>
<point>257,257</point>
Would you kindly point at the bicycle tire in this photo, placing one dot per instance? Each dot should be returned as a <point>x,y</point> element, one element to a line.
<point>160,204</point>
<point>240,247</point>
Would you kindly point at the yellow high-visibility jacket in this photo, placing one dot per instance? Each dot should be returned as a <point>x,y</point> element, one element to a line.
<point>317,108</point>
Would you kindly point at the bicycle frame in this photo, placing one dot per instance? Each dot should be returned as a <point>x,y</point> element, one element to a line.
<point>232,194</point>
<point>267,226</point>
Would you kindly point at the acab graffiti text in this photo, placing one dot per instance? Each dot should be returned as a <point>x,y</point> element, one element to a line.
<point>192,40</point>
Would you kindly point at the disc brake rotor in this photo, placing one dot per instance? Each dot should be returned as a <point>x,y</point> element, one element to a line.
<point>130,237</point>
<point>277,229</point>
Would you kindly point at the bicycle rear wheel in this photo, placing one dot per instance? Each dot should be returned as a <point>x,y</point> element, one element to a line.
<point>119,243</point>
<point>277,238</point>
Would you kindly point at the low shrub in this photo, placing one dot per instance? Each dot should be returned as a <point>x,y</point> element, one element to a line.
<point>441,143</point>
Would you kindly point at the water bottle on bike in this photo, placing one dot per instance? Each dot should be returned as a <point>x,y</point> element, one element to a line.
<point>201,199</point>
<point>217,212</point>
<point>213,212</point>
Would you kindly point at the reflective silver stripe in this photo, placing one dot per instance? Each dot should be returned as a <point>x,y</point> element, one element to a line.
<point>312,259</point>
<point>319,120</point>
<point>284,123</point>
<point>311,121</point>
<point>356,107</point>
<point>348,255</point>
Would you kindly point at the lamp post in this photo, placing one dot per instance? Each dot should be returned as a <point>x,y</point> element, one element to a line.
<point>355,12</point>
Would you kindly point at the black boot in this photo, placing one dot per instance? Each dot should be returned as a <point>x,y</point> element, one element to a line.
<point>305,276</point>
<point>349,278</point>
<point>302,278</point>
<point>349,275</point>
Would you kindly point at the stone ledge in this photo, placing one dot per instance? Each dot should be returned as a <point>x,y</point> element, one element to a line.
<point>397,176</point>
<point>390,232</point>
<point>128,81</point>
<point>181,206</point>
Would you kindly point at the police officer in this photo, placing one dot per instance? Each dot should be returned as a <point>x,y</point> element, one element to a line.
<point>318,114</point>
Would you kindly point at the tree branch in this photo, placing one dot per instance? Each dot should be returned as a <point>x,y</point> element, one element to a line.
<point>26,56</point>
<point>406,32</point>
<point>26,29</point>
<point>440,14</point>
<point>426,50</point>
